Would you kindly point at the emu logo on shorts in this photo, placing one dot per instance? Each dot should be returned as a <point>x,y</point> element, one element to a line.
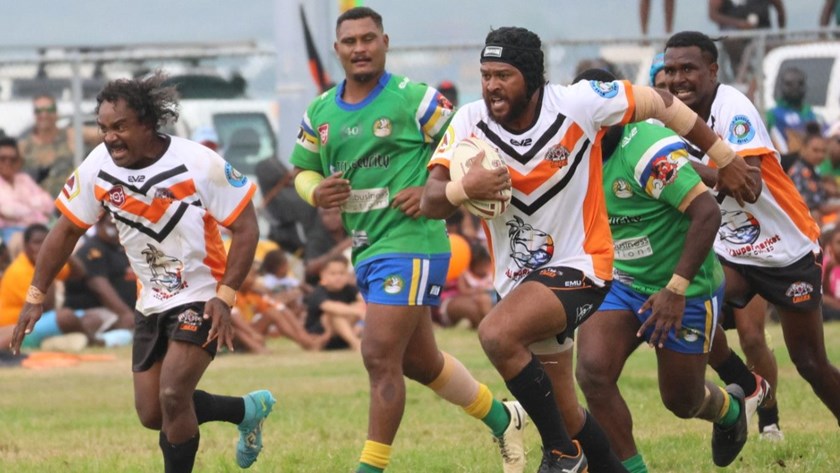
<point>394,284</point>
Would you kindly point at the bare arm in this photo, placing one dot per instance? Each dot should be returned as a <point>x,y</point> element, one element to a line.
<point>478,183</point>
<point>827,9</point>
<point>108,296</point>
<point>343,309</point>
<point>780,12</point>
<point>725,20</point>
<point>433,203</point>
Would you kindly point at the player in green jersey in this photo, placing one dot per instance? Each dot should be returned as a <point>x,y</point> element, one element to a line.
<point>363,146</point>
<point>667,290</point>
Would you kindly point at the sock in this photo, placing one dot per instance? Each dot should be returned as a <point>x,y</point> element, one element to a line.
<point>596,446</point>
<point>729,411</point>
<point>375,457</point>
<point>457,385</point>
<point>533,389</point>
<point>212,407</point>
<point>178,458</point>
<point>734,371</point>
<point>634,464</point>
<point>767,416</point>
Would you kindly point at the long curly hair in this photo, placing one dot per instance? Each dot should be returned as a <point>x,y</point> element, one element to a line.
<point>155,104</point>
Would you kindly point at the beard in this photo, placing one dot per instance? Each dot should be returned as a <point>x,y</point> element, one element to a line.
<point>516,107</point>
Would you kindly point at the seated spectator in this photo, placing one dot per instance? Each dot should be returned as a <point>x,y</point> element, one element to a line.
<point>277,280</point>
<point>15,284</point>
<point>336,308</point>
<point>803,173</point>
<point>23,202</point>
<point>473,295</point>
<point>267,316</point>
<point>326,245</point>
<point>829,170</point>
<point>110,284</point>
<point>831,275</point>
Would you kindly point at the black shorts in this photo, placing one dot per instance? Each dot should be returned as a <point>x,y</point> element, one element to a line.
<point>579,295</point>
<point>796,287</point>
<point>152,333</point>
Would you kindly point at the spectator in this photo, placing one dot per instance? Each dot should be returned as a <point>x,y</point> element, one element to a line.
<point>831,275</point>
<point>336,307</point>
<point>787,121</point>
<point>830,8</point>
<point>48,150</point>
<point>23,202</point>
<point>743,15</point>
<point>110,284</point>
<point>473,294</point>
<point>13,292</point>
<point>657,72</point>
<point>644,15</point>
<point>322,247</point>
<point>829,170</point>
<point>803,172</point>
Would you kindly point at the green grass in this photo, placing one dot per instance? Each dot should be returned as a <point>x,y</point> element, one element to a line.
<point>81,419</point>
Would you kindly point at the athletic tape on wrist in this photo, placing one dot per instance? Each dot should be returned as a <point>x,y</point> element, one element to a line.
<point>227,294</point>
<point>305,184</point>
<point>721,154</point>
<point>677,284</point>
<point>34,295</point>
<point>455,193</point>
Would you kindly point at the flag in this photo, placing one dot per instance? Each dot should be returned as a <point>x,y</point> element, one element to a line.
<point>316,67</point>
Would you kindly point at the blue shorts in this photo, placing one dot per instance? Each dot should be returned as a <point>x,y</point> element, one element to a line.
<point>698,323</point>
<point>45,327</point>
<point>403,279</point>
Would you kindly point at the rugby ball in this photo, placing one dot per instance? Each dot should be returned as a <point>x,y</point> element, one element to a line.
<point>462,158</point>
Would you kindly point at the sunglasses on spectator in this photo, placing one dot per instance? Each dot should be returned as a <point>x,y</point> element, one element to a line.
<point>47,109</point>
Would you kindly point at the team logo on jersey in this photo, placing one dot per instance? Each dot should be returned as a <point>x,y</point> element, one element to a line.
<point>800,291</point>
<point>741,130</point>
<point>607,90</point>
<point>394,284</point>
<point>558,156</point>
<point>117,196</point>
<point>444,103</point>
<point>167,272</point>
<point>663,172</point>
<point>622,189</point>
<point>446,141</point>
<point>324,133</point>
<point>738,227</point>
<point>164,194</point>
<point>234,177</point>
<point>360,238</point>
<point>530,248</point>
<point>71,187</point>
<point>382,127</point>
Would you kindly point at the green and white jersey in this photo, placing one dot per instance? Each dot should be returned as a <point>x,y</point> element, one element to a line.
<point>382,145</point>
<point>645,180</point>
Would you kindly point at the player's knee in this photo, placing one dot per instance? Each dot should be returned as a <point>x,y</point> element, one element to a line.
<point>149,416</point>
<point>379,362</point>
<point>684,407</point>
<point>172,401</point>
<point>593,374</point>
<point>495,341</point>
<point>753,341</point>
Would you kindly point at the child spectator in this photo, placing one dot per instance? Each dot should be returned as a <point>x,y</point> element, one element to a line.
<point>473,295</point>
<point>335,307</point>
<point>831,275</point>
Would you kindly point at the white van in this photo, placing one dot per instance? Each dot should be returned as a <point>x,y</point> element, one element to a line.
<point>821,63</point>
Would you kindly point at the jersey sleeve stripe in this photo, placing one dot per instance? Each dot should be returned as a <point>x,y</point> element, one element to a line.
<point>216,258</point>
<point>438,162</point>
<point>781,188</point>
<point>598,241</point>
<point>631,102</point>
<point>239,208</point>
<point>70,216</point>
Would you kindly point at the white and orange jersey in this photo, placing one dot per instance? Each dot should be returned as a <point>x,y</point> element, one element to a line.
<point>777,230</point>
<point>557,215</point>
<point>167,215</point>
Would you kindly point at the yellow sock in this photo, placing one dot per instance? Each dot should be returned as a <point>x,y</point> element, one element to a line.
<point>376,454</point>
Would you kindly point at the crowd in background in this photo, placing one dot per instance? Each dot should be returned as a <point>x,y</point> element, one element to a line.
<point>301,286</point>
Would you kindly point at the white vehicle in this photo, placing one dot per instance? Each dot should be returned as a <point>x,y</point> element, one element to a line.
<point>820,61</point>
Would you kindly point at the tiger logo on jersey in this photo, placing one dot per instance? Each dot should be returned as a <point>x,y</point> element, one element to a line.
<point>558,156</point>
<point>738,227</point>
<point>530,247</point>
<point>166,271</point>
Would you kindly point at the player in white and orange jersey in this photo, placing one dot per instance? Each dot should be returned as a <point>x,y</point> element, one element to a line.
<point>769,247</point>
<point>167,196</point>
<point>552,247</point>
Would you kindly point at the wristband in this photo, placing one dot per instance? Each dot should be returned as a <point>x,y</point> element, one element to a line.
<point>227,294</point>
<point>721,154</point>
<point>677,285</point>
<point>34,295</point>
<point>455,193</point>
<point>305,184</point>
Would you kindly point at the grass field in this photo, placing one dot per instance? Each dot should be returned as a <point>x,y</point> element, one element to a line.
<point>81,419</point>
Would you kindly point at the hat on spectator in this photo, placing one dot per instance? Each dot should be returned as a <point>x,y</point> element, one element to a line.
<point>657,65</point>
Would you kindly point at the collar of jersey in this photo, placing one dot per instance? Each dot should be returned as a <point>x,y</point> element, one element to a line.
<point>372,95</point>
